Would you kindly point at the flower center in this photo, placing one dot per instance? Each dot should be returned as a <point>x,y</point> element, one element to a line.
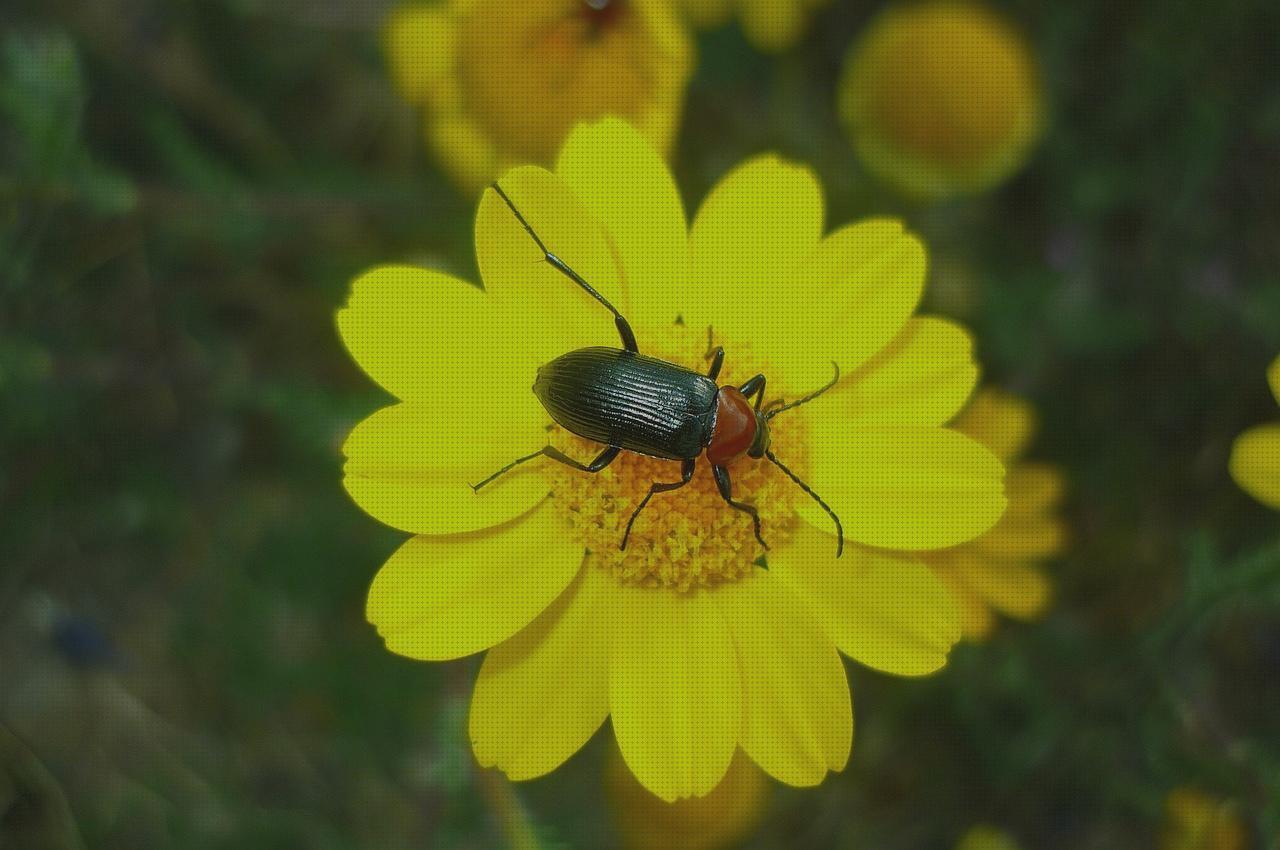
<point>690,537</point>
<point>530,71</point>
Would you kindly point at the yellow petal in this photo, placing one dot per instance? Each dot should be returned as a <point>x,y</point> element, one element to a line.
<point>412,466</point>
<point>427,336</point>
<point>625,185</point>
<point>557,314</point>
<point>674,692</point>
<point>1255,463</point>
<point>1273,378</point>
<point>418,41</point>
<point>1016,589</point>
<point>1034,488</point>
<point>845,302</point>
<point>754,228</point>
<point>977,621</point>
<point>1022,535</point>
<point>772,25</point>
<point>923,378</point>
<point>542,694</point>
<point>438,598</point>
<point>880,609</point>
<point>1000,421</point>
<point>798,719</point>
<point>901,487</point>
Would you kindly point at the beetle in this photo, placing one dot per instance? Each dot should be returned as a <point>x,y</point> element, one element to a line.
<point>629,401</point>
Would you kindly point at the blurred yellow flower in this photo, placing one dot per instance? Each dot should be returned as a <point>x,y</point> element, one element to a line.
<point>725,817</point>
<point>1255,457</point>
<point>999,569</point>
<point>690,648</point>
<point>502,83</point>
<point>771,26</point>
<point>941,98</point>
<point>984,837</point>
<point>1196,821</point>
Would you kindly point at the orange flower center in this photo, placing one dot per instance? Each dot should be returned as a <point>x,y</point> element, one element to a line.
<point>689,537</point>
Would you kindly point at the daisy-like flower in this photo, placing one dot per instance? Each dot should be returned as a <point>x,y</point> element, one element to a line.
<point>1196,821</point>
<point>1000,571</point>
<point>771,26</point>
<point>502,83</point>
<point>724,818</point>
<point>683,640</point>
<point>1255,457</point>
<point>941,98</point>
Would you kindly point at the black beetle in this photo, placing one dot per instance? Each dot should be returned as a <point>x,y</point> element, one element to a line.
<point>626,400</point>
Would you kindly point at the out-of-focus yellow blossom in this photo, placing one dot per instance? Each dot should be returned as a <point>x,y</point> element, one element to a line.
<point>984,837</point>
<point>502,83</point>
<point>771,26</point>
<point>941,98</point>
<point>690,648</point>
<point>723,818</point>
<point>1255,457</point>
<point>1196,821</point>
<point>999,571</point>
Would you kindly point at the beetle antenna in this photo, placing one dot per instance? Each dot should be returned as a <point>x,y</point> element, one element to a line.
<point>810,397</point>
<point>805,487</point>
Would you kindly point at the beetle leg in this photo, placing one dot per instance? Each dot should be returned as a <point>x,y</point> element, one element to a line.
<point>754,386</point>
<point>718,353</point>
<point>602,460</point>
<point>686,475</point>
<point>624,328</point>
<point>725,485</point>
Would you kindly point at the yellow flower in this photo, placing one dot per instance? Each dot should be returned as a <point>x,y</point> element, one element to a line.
<point>502,83</point>
<point>1255,457</point>
<point>941,98</point>
<point>983,837</point>
<point>723,818</point>
<point>1196,821</point>
<point>689,647</point>
<point>770,25</point>
<point>999,569</point>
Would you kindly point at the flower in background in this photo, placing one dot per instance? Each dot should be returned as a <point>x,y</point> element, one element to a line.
<point>691,648</point>
<point>984,837</point>
<point>502,83</point>
<point>1255,457</point>
<point>1000,571</point>
<point>941,98</point>
<point>771,26</point>
<point>724,818</point>
<point>1196,821</point>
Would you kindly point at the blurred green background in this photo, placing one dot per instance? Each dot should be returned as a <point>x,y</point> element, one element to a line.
<point>186,188</point>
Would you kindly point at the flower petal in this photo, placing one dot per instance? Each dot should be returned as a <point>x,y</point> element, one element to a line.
<point>1034,488</point>
<point>412,466</point>
<point>434,338</point>
<point>1017,589</point>
<point>418,41</point>
<point>1000,421</point>
<point>1273,378</point>
<point>626,186</point>
<point>798,719</point>
<point>439,598</point>
<point>1023,536</point>
<point>1255,463</point>
<point>901,487</point>
<point>977,621</point>
<point>881,609</point>
<point>756,226</point>
<point>674,691</point>
<point>558,315</point>
<point>845,302</point>
<point>923,378</point>
<point>542,694</point>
